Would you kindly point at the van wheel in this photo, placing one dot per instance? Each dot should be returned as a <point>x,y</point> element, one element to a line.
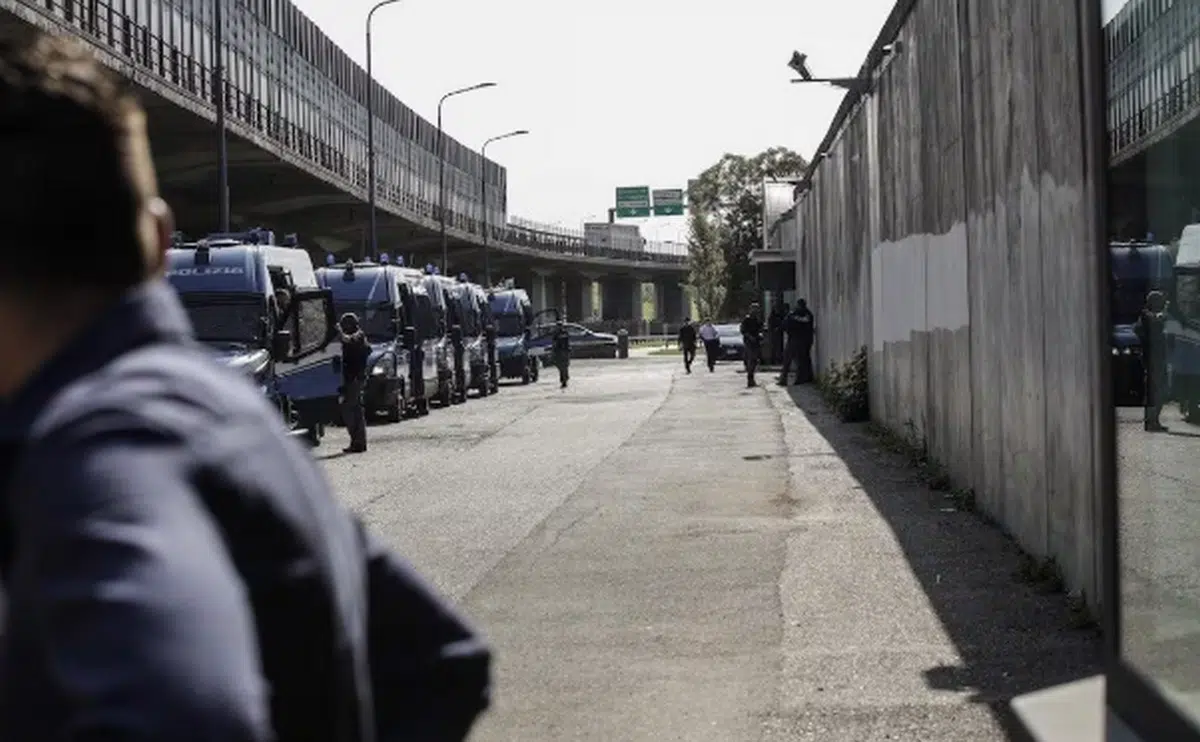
<point>422,406</point>
<point>526,375</point>
<point>394,413</point>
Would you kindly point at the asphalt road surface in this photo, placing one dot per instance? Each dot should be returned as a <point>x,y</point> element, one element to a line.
<point>1159,507</point>
<point>661,556</point>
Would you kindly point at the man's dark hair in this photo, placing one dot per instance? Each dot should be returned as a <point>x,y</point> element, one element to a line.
<point>75,167</point>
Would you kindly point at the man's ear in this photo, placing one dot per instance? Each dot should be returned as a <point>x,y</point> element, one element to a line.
<point>160,227</point>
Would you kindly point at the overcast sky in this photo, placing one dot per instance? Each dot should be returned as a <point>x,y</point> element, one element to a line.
<point>615,92</point>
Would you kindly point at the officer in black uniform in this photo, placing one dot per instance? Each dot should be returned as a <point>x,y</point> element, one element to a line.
<point>561,353</point>
<point>1150,328</point>
<point>752,337</point>
<point>356,351</point>
<point>799,329</point>
<point>174,565</point>
<point>687,343</point>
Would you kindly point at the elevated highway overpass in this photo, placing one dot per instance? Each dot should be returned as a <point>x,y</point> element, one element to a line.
<point>296,121</point>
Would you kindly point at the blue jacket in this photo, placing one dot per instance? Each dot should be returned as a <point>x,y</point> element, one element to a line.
<point>176,568</point>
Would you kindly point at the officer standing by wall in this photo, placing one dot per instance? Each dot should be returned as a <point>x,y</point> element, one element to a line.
<point>752,337</point>
<point>775,332</point>
<point>800,328</point>
<point>687,343</point>
<point>355,353</point>
<point>712,343</point>
<point>174,566</point>
<point>561,352</point>
<point>1150,328</point>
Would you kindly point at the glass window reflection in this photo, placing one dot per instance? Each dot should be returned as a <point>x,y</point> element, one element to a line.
<point>1154,258</point>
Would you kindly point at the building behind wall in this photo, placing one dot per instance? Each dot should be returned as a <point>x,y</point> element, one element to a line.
<point>775,263</point>
<point>618,236</point>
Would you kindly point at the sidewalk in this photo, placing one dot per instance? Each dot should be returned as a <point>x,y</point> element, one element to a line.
<point>902,618</point>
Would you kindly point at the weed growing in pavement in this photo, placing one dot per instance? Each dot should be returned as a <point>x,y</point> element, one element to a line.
<point>1080,613</point>
<point>915,449</point>
<point>1041,574</point>
<point>844,387</point>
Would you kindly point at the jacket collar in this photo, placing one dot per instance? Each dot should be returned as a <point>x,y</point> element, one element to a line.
<point>146,314</point>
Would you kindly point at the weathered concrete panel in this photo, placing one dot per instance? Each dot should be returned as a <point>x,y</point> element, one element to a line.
<point>947,230</point>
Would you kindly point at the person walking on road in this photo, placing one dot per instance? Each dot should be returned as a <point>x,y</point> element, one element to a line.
<point>687,343</point>
<point>355,353</point>
<point>561,353</point>
<point>752,337</point>
<point>1150,328</point>
<point>174,565</point>
<point>712,343</point>
<point>799,328</point>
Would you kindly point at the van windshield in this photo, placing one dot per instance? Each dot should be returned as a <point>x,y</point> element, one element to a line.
<point>216,320</point>
<point>374,318</point>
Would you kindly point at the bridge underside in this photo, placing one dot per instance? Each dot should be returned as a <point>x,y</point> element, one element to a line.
<point>1156,191</point>
<point>271,186</point>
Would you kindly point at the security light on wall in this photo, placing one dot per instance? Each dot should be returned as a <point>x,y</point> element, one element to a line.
<point>799,63</point>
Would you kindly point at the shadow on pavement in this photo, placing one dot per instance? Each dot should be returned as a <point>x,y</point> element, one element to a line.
<point>1012,637</point>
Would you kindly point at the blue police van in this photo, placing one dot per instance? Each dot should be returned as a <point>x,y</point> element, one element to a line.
<point>514,319</point>
<point>451,350</point>
<point>375,293</point>
<point>257,305</point>
<point>1138,267</point>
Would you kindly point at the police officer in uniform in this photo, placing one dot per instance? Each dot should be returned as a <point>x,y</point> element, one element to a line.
<point>799,328</point>
<point>752,337</point>
<point>174,565</point>
<point>712,343</point>
<point>775,332</point>
<point>355,352</point>
<point>561,353</point>
<point>687,343</point>
<point>1150,328</point>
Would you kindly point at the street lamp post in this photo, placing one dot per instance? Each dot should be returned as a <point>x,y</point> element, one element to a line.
<point>218,85</point>
<point>442,166</point>
<point>487,264</point>
<point>372,243</point>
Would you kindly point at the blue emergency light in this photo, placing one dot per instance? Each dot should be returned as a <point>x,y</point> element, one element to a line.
<point>383,258</point>
<point>462,277</point>
<point>291,240</point>
<point>330,260</point>
<point>400,260</point>
<point>256,236</point>
<point>429,269</point>
<point>437,271</point>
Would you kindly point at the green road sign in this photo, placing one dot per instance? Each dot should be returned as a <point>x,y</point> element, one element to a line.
<point>668,202</point>
<point>633,202</point>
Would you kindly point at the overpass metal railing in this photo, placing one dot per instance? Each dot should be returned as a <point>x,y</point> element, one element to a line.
<point>105,24</point>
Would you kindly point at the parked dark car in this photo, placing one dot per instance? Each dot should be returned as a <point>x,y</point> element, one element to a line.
<point>585,343</point>
<point>733,348</point>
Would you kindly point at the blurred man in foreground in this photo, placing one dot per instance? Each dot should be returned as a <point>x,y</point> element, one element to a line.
<point>174,566</point>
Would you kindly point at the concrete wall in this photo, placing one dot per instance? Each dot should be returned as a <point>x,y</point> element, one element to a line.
<point>948,230</point>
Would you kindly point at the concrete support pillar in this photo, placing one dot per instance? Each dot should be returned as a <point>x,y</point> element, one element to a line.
<point>591,306</point>
<point>622,299</point>
<point>576,302</point>
<point>539,291</point>
<point>670,301</point>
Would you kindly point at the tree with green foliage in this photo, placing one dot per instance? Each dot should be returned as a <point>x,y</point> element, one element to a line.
<point>707,274</point>
<point>731,191</point>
